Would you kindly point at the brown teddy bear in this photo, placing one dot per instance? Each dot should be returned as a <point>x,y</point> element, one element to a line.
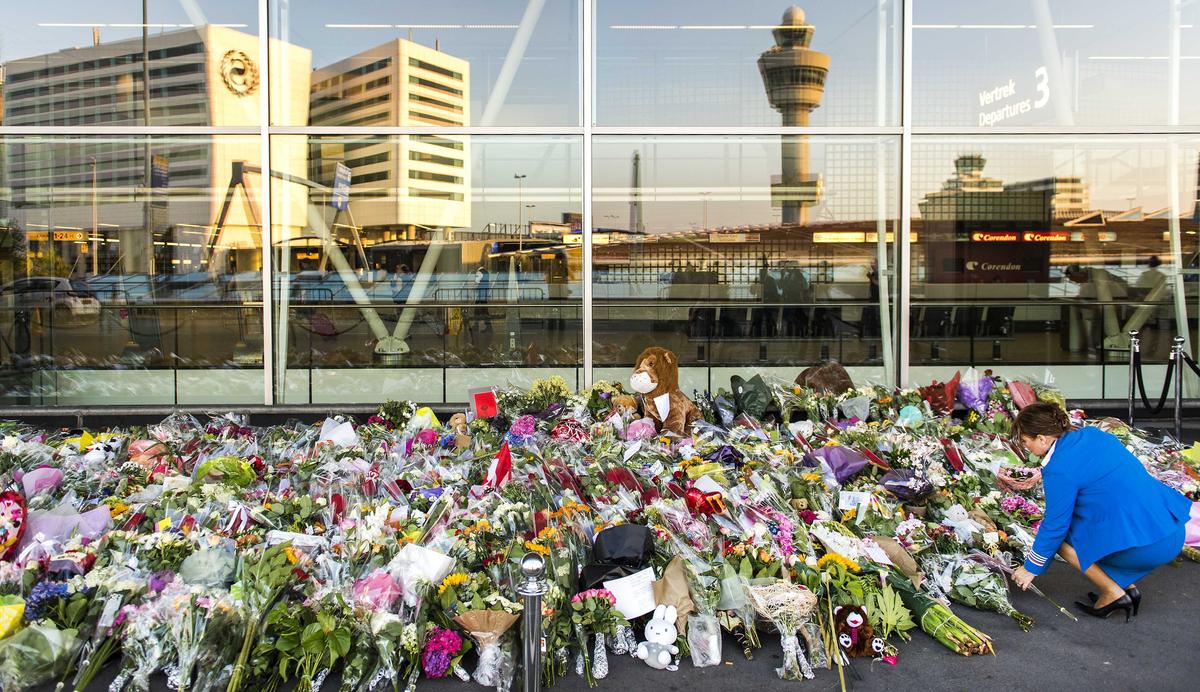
<point>458,425</point>
<point>827,378</point>
<point>656,379</point>
<point>855,636</point>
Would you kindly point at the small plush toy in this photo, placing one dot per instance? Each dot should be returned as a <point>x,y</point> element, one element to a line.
<point>659,650</point>
<point>855,635</point>
<point>102,451</point>
<point>625,404</point>
<point>458,425</point>
<point>656,378</point>
<point>12,522</point>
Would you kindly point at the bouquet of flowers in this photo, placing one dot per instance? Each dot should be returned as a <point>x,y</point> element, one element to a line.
<point>971,583</point>
<point>788,607</point>
<point>484,614</point>
<point>594,612</point>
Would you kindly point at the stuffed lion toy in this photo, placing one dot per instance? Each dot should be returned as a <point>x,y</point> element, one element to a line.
<point>657,375</point>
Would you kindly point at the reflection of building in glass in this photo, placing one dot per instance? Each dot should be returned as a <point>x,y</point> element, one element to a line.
<point>972,228</point>
<point>403,183</point>
<point>794,76</point>
<point>208,75</point>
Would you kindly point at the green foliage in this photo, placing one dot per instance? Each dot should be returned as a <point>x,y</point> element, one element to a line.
<point>888,614</point>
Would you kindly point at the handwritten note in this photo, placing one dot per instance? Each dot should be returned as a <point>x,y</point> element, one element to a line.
<point>635,593</point>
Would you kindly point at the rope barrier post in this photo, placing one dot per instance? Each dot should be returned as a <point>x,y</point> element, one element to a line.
<point>1134,345</point>
<point>1177,356</point>
<point>531,591</point>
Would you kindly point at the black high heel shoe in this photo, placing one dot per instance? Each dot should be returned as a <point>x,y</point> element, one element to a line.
<point>1134,595</point>
<point>1124,603</point>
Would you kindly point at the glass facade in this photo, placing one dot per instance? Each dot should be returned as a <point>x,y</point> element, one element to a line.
<point>274,202</point>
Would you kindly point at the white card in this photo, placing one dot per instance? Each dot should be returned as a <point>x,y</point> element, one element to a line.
<point>852,500</point>
<point>632,450</point>
<point>873,551</point>
<point>635,593</point>
<point>706,484</point>
<point>109,614</point>
<point>662,402</point>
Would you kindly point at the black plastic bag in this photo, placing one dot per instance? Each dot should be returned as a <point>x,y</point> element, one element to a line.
<point>753,396</point>
<point>629,545</point>
<point>594,576</point>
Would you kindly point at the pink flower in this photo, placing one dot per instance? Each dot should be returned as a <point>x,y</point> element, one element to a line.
<point>428,437</point>
<point>603,594</point>
<point>377,590</point>
<point>523,426</point>
<point>640,429</point>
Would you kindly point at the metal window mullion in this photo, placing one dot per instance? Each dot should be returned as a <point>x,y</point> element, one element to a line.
<point>768,131</point>
<point>1077,131</point>
<point>126,130</point>
<point>264,123</point>
<point>326,130</point>
<point>585,112</point>
<point>903,247</point>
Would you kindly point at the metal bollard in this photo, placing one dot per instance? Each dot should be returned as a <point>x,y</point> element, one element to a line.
<point>1177,357</point>
<point>531,591</point>
<point>1134,348</point>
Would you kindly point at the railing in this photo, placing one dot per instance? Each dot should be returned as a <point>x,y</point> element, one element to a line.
<point>1174,374</point>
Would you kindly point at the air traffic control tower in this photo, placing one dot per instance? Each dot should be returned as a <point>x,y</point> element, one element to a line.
<point>794,76</point>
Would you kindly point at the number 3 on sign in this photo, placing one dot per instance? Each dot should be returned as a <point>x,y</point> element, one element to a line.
<point>1042,75</point>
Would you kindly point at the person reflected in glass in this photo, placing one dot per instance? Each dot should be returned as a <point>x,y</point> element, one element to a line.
<point>1106,516</point>
<point>796,295</point>
<point>1097,316</point>
<point>401,282</point>
<point>481,283</point>
<point>870,313</point>
<point>763,321</point>
<point>1149,280</point>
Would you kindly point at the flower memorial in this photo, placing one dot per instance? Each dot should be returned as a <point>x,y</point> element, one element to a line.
<point>369,556</point>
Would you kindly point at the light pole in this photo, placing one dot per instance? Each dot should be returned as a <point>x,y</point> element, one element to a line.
<point>531,207</point>
<point>704,196</point>
<point>520,178</point>
<point>95,231</point>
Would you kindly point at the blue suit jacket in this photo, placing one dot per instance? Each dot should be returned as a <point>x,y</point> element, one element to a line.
<point>1101,500</point>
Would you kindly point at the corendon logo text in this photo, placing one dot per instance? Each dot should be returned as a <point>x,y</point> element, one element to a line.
<point>982,237</point>
<point>1047,237</point>
<point>989,267</point>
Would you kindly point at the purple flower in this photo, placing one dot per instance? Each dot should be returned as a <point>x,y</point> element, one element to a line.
<point>159,580</point>
<point>523,426</point>
<point>435,663</point>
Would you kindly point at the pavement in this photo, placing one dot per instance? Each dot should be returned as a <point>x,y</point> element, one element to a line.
<point>1154,651</point>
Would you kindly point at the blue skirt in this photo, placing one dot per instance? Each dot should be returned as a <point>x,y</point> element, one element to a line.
<point>1129,566</point>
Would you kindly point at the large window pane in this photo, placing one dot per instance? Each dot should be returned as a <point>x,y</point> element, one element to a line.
<point>1061,63</point>
<point>458,62</point>
<point>744,253</point>
<point>755,63</point>
<point>1041,253</point>
<point>444,263</point>
<point>72,62</point>
<point>130,270</point>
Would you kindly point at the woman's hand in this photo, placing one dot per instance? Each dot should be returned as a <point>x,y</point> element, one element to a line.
<point>1022,578</point>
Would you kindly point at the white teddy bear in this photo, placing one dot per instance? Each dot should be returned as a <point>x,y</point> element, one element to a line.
<point>659,650</point>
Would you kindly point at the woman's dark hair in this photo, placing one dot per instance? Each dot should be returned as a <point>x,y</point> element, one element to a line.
<point>1042,418</point>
